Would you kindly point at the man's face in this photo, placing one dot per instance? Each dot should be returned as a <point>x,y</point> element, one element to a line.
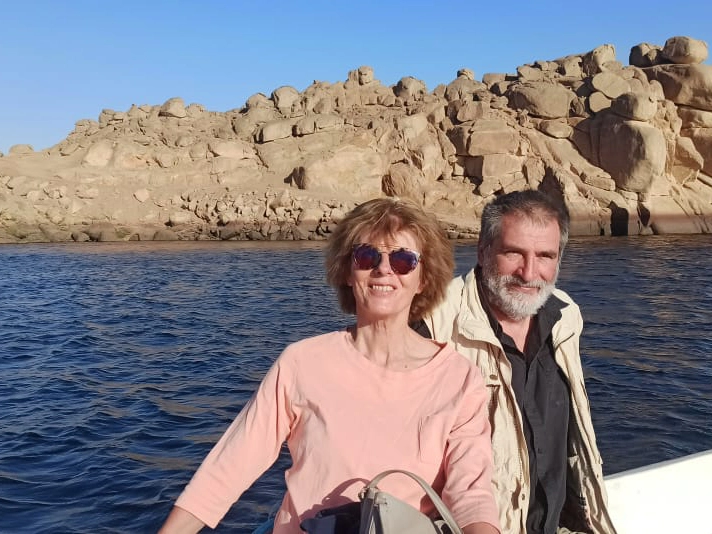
<point>520,268</point>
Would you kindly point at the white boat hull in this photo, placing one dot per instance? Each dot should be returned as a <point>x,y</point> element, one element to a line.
<point>670,496</point>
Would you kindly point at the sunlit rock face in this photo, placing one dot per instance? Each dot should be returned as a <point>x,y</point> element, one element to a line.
<point>628,149</point>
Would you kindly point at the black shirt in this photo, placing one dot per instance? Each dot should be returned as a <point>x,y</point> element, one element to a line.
<point>542,394</point>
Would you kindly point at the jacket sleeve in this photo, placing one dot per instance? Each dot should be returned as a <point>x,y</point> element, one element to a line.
<point>249,447</point>
<point>441,321</point>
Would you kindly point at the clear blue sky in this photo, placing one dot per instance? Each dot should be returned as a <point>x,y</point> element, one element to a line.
<point>63,61</point>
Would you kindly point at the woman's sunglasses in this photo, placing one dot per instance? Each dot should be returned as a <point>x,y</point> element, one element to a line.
<point>402,260</point>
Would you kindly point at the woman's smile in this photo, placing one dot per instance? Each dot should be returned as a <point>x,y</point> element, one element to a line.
<point>381,293</point>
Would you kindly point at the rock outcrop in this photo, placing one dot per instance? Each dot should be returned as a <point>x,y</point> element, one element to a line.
<point>627,148</point>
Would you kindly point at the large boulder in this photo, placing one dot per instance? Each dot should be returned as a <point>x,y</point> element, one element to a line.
<point>231,149</point>
<point>99,154</point>
<point>702,139</point>
<point>685,50</point>
<point>276,129</point>
<point>173,107</point>
<point>286,99</point>
<point>403,180</point>
<point>410,89</point>
<point>635,106</point>
<point>610,84</point>
<point>687,161</point>
<point>494,165</point>
<point>644,55</point>
<point>694,118</point>
<point>541,99</point>
<point>279,156</point>
<point>129,155</point>
<point>687,85</point>
<point>463,87</point>
<point>484,136</point>
<point>599,59</point>
<point>632,152</point>
<point>671,216</point>
<point>17,150</point>
<point>350,170</point>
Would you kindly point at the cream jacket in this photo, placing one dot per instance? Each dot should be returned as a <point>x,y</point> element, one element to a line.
<point>462,320</point>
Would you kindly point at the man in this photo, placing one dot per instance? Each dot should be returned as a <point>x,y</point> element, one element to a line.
<point>507,316</point>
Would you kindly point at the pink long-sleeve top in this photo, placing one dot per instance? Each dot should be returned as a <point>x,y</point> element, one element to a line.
<point>346,419</point>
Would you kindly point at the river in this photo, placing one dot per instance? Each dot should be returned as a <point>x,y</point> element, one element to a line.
<point>122,363</point>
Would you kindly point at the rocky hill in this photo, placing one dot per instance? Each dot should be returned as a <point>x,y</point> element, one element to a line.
<point>627,148</point>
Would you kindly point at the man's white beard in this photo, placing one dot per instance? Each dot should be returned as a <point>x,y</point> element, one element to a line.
<point>515,304</point>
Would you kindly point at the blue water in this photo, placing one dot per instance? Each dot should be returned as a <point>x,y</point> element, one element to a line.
<point>122,363</point>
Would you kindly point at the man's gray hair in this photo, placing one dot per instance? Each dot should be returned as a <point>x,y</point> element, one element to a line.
<point>530,203</point>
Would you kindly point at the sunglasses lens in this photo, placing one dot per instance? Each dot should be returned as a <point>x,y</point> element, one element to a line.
<point>366,257</point>
<point>403,261</point>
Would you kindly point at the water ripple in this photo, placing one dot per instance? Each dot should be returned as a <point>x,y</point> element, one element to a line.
<point>122,364</point>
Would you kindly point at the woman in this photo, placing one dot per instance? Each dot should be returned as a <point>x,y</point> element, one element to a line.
<point>375,396</point>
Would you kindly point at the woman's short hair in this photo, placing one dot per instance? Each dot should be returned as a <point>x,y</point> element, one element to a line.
<point>382,218</point>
